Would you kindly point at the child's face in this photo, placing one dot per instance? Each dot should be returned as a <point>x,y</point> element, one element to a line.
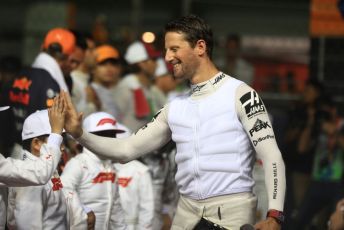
<point>37,144</point>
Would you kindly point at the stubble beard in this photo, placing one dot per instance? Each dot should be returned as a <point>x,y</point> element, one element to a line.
<point>184,74</point>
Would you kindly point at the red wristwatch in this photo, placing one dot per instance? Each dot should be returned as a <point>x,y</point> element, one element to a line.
<point>277,215</point>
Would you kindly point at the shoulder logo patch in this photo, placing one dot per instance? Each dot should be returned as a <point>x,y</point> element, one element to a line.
<point>252,103</point>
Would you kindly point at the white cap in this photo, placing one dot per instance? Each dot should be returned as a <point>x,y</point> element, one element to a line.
<point>101,121</point>
<point>2,108</point>
<point>138,52</point>
<point>35,125</point>
<point>127,132</point>
<point>161,68</point>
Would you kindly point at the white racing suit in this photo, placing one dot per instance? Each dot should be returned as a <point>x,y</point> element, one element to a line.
<point>94,182</point>
<point>17,173</point>
<point>14,172</point>
<point>37,207</point>
<point>217,130</point>
<point>136,194</point>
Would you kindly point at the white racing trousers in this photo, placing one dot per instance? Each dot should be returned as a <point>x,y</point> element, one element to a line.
<point>229,211</point>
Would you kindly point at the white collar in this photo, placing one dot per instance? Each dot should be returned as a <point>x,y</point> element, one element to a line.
<point>206,87</point>
<point>29,156</point>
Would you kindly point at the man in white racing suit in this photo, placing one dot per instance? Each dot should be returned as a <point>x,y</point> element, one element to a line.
<point>218,128</point>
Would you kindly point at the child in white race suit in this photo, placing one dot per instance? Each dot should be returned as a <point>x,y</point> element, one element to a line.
<point>19,173</point>
<point>44,206</point>
<point>94,179</point>
<point>135,191</point>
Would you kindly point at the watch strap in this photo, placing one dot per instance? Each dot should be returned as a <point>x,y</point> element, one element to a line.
<point>277,215</point>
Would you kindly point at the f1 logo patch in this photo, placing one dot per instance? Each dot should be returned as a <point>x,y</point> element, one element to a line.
<point>124,181</point>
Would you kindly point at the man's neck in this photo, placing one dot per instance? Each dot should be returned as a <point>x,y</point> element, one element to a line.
<point>206,72</point>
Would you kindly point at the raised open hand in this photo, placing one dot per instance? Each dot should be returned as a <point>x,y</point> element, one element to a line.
<point>73,119</point>
<point>56,115</point>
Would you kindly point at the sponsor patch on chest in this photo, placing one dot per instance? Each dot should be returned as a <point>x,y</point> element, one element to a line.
<point>104,176</point>
<point>124,181</point>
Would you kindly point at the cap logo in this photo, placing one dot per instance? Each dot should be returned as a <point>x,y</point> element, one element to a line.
<point>106,121</point>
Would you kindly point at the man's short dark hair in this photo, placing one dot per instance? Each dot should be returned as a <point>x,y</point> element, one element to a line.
<point>193,28</point>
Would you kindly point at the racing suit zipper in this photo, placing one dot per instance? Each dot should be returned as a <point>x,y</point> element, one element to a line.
<point>196,161</point>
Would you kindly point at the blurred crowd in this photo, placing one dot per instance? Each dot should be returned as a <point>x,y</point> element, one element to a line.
<point>130,88</point>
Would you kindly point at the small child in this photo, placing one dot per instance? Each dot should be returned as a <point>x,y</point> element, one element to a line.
<point>19,173</point>
<point>45,206</point>
<point>135,191</point>
<point>94,179</point>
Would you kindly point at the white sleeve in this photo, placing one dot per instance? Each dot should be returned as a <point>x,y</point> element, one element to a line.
<point>77,217</point>
<point>146,202</point>
<point>19,173</point>
<point>26,208</point>
<point>255,120</point>
<point>117,214</point>
<point>150,137</point>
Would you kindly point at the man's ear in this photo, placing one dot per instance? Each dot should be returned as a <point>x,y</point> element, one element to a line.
<point>201,47</point>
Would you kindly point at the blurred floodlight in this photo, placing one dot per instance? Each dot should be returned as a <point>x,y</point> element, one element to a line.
<point>148,37</point>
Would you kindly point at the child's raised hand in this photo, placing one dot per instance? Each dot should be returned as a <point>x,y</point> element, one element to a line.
<point>57,115</point>
<point>73,118</point>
